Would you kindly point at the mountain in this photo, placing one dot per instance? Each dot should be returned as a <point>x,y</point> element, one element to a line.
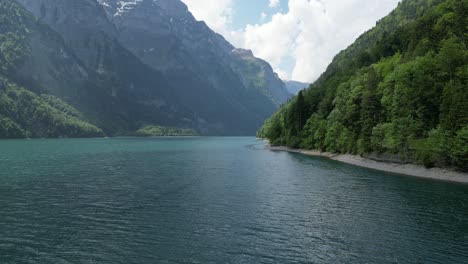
<point>294,87</point>
<point>164,35</point>
<point>26,113</point>
<point>257,74</point>
<point>125,65</point>
<point>399,93</point>
<point>73,55</point>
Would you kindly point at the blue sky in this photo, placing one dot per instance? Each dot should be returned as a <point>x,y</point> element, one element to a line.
<point>249,12</point>
<point>299,38</point>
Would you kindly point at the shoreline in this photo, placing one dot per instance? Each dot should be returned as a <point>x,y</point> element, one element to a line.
<point>412,170</point>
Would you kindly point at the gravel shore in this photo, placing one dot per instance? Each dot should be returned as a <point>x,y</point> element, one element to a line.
<point>406,169</point>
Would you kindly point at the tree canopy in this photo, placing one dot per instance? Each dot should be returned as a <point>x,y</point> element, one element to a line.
<point>400,89</point>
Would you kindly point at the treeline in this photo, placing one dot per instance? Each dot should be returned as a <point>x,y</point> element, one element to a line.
<point>159,131</point>
<point>400,90</point>
<point>23,114</point>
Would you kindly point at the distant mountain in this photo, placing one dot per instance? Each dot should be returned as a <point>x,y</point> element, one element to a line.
<point>258,75</point>
<point>294,87</point>
<point>201,63</point>
<point>125,65</point>
<point>399,93</point>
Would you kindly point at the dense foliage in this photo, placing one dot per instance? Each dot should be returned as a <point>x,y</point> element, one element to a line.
<point>159,131</point>
<point>24,113</point>
<point>13,34</point>
<point>400,90</point>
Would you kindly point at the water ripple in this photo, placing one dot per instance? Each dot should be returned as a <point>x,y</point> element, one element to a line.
<point>216,200</point>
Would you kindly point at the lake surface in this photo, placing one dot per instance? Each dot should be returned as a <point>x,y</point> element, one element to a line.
<point>216,200</point>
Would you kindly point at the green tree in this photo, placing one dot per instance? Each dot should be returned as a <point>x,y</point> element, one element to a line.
<point>459,149</point>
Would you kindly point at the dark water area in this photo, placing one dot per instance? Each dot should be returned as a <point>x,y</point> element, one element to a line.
<point>216,200</point>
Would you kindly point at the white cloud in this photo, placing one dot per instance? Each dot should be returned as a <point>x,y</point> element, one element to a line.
<point>263,16</point>
<point>273,3</point>
<point>282,74</point>
<point>311,33</point>
<point>217,14</point>
<point>272,41</point>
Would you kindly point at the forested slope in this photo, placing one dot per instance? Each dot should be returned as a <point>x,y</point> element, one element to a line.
<point>399,92</point>
<point>24,113</point>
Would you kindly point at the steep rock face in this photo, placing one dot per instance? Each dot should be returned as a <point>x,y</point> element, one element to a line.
<point>165,35</point>
<point>110,84</point>
<point>45,64</point>
<point>73,20</point>
<point>50,66</point>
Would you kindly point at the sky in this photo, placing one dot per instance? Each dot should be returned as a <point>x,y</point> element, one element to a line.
<point>299,38</point>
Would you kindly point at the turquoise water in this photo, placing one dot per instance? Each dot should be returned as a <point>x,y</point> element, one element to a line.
<point>216,200</point>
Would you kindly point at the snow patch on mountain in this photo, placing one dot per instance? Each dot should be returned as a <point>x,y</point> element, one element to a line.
<point>126,6</point>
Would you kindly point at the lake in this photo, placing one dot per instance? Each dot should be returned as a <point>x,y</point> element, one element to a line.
<point>216,200</point>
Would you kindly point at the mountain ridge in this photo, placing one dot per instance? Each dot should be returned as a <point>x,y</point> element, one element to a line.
<point>294,86</point>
